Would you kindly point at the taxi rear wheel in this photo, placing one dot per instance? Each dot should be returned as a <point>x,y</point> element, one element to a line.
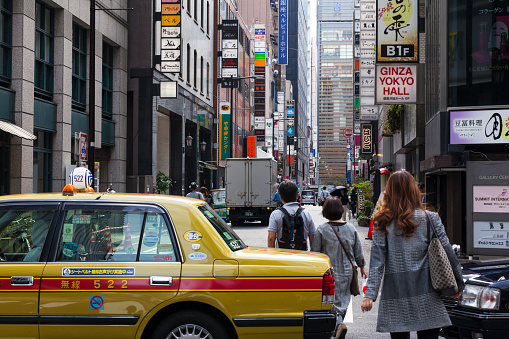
<point>191,325</point>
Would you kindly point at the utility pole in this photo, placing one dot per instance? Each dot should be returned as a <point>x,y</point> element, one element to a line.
<point>91,98</point>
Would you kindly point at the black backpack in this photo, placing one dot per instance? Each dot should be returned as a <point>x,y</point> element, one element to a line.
<point>293,225</point>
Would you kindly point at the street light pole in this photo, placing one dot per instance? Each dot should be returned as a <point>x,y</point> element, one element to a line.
<point>91,97</point>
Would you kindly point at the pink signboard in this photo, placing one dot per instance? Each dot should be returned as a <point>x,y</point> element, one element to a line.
<point>491,199</point>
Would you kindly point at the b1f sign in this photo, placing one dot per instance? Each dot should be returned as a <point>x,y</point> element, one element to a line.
<point>396,84</point>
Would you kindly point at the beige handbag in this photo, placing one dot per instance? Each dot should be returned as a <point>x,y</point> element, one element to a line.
<point>442,276</point>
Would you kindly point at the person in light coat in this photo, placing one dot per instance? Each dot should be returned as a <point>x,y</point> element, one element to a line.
<point>327,242</point>
<point>399,255</point>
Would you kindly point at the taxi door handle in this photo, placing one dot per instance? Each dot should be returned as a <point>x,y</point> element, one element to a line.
<point>22,281</point>
<point>157,281</point>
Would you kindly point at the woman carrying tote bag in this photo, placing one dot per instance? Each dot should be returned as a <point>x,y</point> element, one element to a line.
<point>340,241</point>
<point>399,255</point>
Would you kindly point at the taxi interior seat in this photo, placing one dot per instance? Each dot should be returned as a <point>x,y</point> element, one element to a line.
<point>39,231</point>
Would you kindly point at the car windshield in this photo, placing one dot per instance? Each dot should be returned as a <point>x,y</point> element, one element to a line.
<point>307,193</point>
<point>227,234</point>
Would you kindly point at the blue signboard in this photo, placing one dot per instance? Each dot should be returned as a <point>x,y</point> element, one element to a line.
<point>290,131</point>
<point>283,32</point>
<point>290,112</point>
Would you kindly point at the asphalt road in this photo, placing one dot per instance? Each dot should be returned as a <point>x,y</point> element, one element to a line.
<point>360,325</point>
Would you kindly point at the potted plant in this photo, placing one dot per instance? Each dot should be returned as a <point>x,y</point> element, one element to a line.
<point>363,219</point>
<point>163,182</point>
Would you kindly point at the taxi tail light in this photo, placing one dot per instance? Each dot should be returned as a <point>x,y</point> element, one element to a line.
<point>328,288</point>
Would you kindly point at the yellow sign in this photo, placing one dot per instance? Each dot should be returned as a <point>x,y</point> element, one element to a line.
<point>170,20</point>
<point>170,9</point>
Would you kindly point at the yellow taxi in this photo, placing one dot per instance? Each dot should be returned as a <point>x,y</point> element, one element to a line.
<point>96,265</point>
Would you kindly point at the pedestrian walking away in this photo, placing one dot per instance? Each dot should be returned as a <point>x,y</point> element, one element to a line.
<point>326,241</point>
<point>194,194</point>
<point>353,201</point>
<point>399,255</point>
<point>291,225</point>
<point>347,214</point>
<point>206,195</point>
<point>324,194</point>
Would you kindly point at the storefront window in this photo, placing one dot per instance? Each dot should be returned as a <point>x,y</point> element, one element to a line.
<point>43,162</point>
<point>478,52</point>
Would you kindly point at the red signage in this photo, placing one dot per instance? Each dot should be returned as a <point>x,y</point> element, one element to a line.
<point>347,132</point>
<point>251,147</point>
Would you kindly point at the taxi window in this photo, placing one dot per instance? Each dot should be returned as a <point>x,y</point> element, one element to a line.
<point>113,233</point>
<point>227,234</point>
<point>23,233</point>
<point>156,243</point>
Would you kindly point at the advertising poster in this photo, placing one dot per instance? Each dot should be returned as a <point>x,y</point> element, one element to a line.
<point>397,30</point>
<point>479,127</point>
<point>251,147</point>
<point>491,234</point>
<point>491,199</point>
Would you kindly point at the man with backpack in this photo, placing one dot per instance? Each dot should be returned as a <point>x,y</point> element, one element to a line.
<point>291,225</point>
<point>324,195</point>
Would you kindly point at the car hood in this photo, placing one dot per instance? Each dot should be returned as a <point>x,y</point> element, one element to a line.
<point>493,273</point>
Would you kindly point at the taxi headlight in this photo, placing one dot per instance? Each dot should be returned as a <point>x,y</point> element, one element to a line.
<point>480,297</point>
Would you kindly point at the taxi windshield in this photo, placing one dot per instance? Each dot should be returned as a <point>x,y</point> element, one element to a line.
<point>227,234</point>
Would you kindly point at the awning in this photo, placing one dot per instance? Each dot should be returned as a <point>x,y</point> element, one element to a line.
<point>208,166</point>
<point>16,130</point>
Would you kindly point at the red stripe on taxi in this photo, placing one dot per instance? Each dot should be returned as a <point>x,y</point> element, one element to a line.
<point>5,285</point>
<point>105,284</point>
<point>251,284</point>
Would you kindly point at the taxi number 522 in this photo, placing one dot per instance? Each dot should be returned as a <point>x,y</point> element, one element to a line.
<point>112,284</point>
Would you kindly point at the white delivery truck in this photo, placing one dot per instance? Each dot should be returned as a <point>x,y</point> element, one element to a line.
<point>250,186</point>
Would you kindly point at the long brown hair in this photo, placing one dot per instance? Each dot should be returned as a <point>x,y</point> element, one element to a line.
<point>401,198</point>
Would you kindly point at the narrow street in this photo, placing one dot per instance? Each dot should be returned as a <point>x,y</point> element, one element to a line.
<point>360,325</point>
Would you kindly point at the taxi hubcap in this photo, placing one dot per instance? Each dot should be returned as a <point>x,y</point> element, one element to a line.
<point>189,331</point>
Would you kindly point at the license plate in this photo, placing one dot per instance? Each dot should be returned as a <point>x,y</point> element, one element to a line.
<point>248,214</point>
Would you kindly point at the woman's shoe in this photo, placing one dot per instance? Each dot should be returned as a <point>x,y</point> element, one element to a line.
<point>341,331</point>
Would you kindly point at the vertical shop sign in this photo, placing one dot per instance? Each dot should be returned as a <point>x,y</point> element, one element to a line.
<point>170,36</point>
<point>283,32</point>
<point>225,130</point>
<point>366,139</point>
<point>251,146</point>
<point>397,30</point>
<point>230,53</point>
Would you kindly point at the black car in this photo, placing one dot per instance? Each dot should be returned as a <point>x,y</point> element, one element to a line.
<point>482,312</point>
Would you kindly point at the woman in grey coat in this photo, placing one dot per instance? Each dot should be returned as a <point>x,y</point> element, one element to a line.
<point>399,255</point>
<point>326,241</point>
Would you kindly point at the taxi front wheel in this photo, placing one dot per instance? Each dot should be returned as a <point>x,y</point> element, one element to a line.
<point>190,324</point>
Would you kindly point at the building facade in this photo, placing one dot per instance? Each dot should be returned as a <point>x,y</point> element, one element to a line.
<point>159,126</point>
<point>44,85</point>
<point>335,86</point>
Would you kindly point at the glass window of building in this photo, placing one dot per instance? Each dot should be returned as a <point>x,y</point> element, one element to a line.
<point>5,40</point>
<point>196,11</point>
<point>43,162</point>
<point>5,156</point>
<point>208,18</point>
<point>202,14</point>
<point>195,78</point>
<point>188,64</point>
<point>478,52</point>
<point>201,78</point>
<point>208,80</point>
<point>107,94</point>
<point>44,41</point>
<point>79,67</point>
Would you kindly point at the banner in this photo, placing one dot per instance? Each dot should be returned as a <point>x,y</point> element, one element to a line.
<point>397,31</point>
<point>251,146</point>
<point>283,32</point>
<point>225,130</point>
